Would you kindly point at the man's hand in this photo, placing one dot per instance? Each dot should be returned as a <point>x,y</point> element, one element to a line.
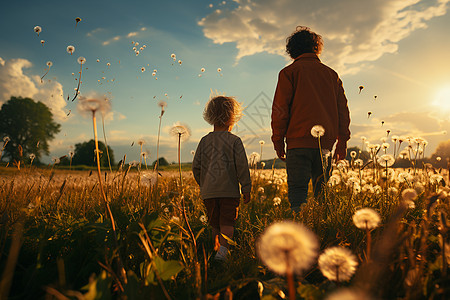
<point>281,154</point>
<point>246,198</point>
<point>341,151</point>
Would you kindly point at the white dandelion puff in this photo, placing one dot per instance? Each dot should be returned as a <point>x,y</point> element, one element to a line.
<point>317,131</point>
<point>287,245</point>
<point>337,264</point>
<point>70,49</point>
<point>366,218</point>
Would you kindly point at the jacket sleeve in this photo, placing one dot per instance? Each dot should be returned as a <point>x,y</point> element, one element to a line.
<point>196,163</point>
<point>344,115</point>
<point>280,109</point>
<point>241,163</point>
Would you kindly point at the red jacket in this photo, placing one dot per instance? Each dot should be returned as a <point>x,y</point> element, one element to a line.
<point>309,93</point>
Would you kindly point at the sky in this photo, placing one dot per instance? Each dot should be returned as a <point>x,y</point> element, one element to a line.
<point>396,49</point>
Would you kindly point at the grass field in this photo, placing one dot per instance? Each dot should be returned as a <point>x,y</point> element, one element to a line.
<point>58,239</point>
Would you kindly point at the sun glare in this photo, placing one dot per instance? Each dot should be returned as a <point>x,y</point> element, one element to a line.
<point>442,99</point>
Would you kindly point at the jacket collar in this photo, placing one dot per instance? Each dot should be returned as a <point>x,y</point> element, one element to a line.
<point>307,56</point>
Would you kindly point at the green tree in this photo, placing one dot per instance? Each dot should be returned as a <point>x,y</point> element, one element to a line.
<point>28,124</point>
<point>85,155</point>
<point>161,161</point>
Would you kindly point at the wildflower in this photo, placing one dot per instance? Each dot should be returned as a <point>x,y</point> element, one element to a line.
<point>409,194</point>
<point>70,49</point>
<point>181,131</point>
<point>436,179</point>
<point>203,219</point>
<point>287,246</point>
<point>81,60</point>
<point>37,29</point>
<point>366,218</point>
<point>276,201</point>
<point>337,263</point>
<point>93,103</point>
<point>386,160</point>
<point>334,180</point>
<point>254,158</point>
<point>317,131</point>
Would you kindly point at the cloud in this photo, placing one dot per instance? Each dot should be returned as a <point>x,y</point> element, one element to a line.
<point>131,34</point>
<point>354,32</point>
<point>14,82</point>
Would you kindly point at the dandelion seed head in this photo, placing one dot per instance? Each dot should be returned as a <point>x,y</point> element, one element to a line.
<point>37,29</point>
<point>261,142</point>
<point>219,70</point>
<point>142,69</point>
<point>154,74</point>
<point>386,160</point>
<point>276,201</point>
<point>337,263</point>
<point>32,156</point>
<point>92,103</point>
<point>366,218</point>
<point>202,70</point>
<point>254,157</point>
<point>182,131</point>
<point>409,194</point>
<point>56,160</point>
<point>70,49</point>
<point>141,142</point>
<point>42,42</point>
<point>203,219</point>
<point>180,62</point>
<point>317,131</point>
<point>287,244</point>
<point>173,56</point>
<point>49,64</point>
<point>81,60</point>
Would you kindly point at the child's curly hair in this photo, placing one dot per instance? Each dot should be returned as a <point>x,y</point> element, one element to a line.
<point>303,40</point>
<point>222,111</point>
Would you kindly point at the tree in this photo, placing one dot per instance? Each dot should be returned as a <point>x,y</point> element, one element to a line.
<point>29,125</point>
<point>442,151</point>
<point>161,161</point>
<point>85,155</point>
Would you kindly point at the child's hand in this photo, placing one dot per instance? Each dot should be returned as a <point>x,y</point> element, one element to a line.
<point>246,198</point>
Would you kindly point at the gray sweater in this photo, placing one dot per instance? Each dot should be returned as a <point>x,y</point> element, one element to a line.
<point>220,165</point>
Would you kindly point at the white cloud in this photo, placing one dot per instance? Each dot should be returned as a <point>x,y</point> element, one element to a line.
<point>131,34</point>
<point>354,32</point>
<point>14,82</point>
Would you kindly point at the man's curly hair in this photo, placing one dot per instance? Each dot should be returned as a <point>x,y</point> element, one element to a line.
<point>303,40</point>
<point>222,111</point>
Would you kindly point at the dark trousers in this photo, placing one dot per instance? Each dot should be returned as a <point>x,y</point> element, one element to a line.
<point>302,165</point>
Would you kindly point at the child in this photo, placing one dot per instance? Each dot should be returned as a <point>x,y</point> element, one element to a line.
<point>219,166</point>
<point>308,93</point>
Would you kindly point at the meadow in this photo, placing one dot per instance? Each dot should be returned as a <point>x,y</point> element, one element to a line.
<point>59,239</point>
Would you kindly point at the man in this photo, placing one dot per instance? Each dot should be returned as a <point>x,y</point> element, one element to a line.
<point>308,93</point>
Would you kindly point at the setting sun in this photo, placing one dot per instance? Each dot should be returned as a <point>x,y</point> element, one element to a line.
<point>442,99</point>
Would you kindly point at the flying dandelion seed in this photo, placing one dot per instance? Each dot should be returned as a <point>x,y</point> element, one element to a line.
<point>219,70</point>
<point>141,49</point>
<point>366,218</point>
<point>287,246</point>
<point>98,60</point>
<point>369,114</point>
<point>360,89</point>
<point>77,20</point>
<point>317,131</point>
<point>382,123</point>
<point>142,69</point>
<point>375,97</point>
<point>37,29</point>
<point>202,70</point>
<point>173,56</point>
<point>180,62</point>
<point>337,264</point>
<point>70,49</point>
<point>42,42</point>
<point>49,64</point>
<point>153,74</point>
<point>108,64</point>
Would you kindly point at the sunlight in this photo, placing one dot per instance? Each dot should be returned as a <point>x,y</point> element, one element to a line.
<point>442,99</point>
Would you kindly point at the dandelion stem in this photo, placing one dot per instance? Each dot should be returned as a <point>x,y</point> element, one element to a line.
<point>106,143</point>
<point>289,277</point>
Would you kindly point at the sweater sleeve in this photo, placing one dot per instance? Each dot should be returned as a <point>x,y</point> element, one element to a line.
<point>241,163</point>
<point>196,163</point>
<point>280,110</point>
<point>344,115</point>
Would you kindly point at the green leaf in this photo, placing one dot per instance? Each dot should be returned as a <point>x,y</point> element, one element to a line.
<point>167,269</point>
<point>310,292</point>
